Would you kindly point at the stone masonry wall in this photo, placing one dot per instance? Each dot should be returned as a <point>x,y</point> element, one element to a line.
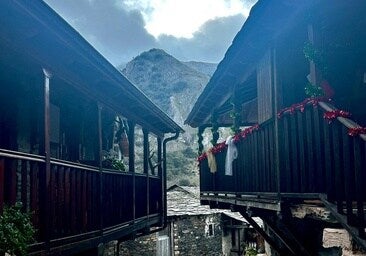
<point>191,235</point>
<point>141,246</point>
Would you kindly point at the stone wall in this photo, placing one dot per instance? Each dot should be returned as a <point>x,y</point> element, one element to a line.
<point>141,246</point>
<point>193,235</point>
<point>339,238</point>
<point>184,236</point>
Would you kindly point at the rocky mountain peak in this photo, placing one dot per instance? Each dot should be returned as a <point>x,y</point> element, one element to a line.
<point>173,86</point>
<point>168,82</point>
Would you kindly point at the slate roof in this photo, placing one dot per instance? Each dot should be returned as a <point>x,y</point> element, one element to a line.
<point>185,201</point>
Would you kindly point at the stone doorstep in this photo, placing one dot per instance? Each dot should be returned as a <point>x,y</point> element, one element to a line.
<point>336,237</point>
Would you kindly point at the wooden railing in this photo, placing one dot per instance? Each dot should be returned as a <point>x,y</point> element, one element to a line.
<point>80,201</point>
<point>313,156</point>
<point>253,170</point>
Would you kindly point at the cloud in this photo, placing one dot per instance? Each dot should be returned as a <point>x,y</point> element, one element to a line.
<point>209,43</point>
<point>182,18</point>
<point>119,33</point>
<point>115,32</point>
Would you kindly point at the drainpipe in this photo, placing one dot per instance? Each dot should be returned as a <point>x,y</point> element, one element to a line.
<point>163,176</point>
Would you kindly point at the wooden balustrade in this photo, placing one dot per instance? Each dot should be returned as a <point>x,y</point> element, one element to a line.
<point>253,170</point>
<point>315,156</point>
<point>78,207</point>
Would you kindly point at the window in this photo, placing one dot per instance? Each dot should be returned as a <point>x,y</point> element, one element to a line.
<point>233,238</point>
<point>211,229</point>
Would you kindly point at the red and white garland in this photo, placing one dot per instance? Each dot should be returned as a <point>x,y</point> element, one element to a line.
<point>301,106</point>
<point>331,115</point>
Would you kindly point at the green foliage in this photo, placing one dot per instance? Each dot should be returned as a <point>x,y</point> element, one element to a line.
<point>250,252</point>
<point>188,152</point>
<point>312,90</point>
<point>116,164</point>
<point>316,56</point>
<point>16,231</point>
<point>184,182</point>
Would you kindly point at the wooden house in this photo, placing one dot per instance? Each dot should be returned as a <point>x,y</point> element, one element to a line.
<point>67,118</point>
<point>295,146</point>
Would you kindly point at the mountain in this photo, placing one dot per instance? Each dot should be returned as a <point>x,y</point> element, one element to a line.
<point>174,87</point>
<point>169,83</point>
<point>203,67</point>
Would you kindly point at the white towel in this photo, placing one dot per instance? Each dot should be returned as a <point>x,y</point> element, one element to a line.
<point>231,154</point>
<point>211,161</point>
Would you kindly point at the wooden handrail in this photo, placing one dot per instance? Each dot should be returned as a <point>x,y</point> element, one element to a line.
<point>21,155</point>
<point>343,120</point>
<point>74,165</point>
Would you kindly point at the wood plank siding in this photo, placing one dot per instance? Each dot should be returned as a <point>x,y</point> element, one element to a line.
<point>65,115</point>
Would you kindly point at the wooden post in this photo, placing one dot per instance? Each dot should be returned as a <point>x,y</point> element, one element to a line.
<point>46,194</point>
<point>146,169</point>
<point>201,129</point>
<point>131,146</point>
<point>160,157</point>
<point>236,113</point>
<point>146,150</point>
<point>131,163</point>
<point>160,174</point>
<point>314,77</point>
<point>2,184</point>
<point>100,147</point>
<point>215,128</point>
<point>277,130</point>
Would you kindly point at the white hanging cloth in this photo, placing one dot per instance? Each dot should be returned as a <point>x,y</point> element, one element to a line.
<point>231,154</point>
<point>211,161</point>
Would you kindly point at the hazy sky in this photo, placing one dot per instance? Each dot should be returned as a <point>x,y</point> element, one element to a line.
<point>200,30</point>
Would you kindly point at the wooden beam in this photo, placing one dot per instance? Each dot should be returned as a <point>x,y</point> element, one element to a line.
<point>342,219</point>
<point>286,236</point>
<point>268,204</point>
<point>265,236</point>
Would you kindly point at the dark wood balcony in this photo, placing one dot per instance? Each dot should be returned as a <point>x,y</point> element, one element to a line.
<point>81,204</point>
<point>312,158</point>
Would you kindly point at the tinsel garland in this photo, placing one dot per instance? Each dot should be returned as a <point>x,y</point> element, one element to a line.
<point>331,115</point>
<point>356,131</point>
<point>328,115</point>
<point>244,133</point>
<point>301,106</point>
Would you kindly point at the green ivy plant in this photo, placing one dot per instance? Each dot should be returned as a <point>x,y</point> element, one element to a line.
<point>313,54</point>
<point>312,90</point>
<point>16,231</point>
<point>317,57</point>
<point>118,165</point>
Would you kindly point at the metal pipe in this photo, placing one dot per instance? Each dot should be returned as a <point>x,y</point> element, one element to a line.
<point>163,177</point>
